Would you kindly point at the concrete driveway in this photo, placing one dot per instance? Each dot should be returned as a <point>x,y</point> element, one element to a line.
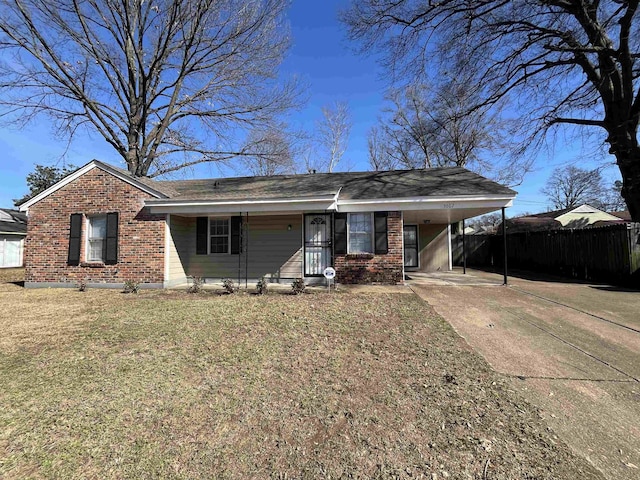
<point>571,349</point>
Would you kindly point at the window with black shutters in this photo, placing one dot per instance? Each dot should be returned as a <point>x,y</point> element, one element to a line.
<point>96,238</point>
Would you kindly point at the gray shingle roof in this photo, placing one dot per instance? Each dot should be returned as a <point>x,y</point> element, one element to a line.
<point>445,182</point>
<point>12,222</point>
<point>162,187</point>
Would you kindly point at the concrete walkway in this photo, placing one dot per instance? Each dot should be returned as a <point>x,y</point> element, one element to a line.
<point>571,349</point>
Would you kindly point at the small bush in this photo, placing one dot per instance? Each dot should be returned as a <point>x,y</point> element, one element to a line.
<point>196,285</point>
<point>262,286</point>
<point>131,286</point>
<point>298,286</point>
<point>229,285</point>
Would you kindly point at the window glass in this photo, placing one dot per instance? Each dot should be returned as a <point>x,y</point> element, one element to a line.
<point>96,238</point>
<point>360,233</point>
<point>219,230</point>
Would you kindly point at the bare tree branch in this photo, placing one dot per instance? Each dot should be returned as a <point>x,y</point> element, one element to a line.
<point>153,78</point>
<point>333,134</point>
<point>553,61</point>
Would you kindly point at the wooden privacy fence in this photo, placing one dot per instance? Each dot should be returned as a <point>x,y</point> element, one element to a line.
<point>610,253</point>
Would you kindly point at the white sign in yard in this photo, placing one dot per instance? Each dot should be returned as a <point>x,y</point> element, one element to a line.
<point>329,272</point>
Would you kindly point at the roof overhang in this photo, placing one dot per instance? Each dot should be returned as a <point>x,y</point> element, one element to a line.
<point>81,171</point>
<point>426,203</point>
<point>258,205</point>
<point>437,209</point>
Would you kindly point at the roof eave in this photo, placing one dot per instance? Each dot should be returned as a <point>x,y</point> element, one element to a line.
<point>81,171</point>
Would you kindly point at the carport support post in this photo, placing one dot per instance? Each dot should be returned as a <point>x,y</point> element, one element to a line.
<point>504,244</point>
<point>464,250</point>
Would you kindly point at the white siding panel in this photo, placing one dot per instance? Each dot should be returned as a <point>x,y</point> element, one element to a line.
<point>434,248</point>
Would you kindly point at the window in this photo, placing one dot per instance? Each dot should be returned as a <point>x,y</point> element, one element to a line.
<point>96,238</point>
<point>360,229</point>
<point>218,235</point>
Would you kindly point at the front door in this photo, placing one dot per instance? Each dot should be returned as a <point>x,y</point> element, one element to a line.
<point>317,243</point>
<point>410,233</point>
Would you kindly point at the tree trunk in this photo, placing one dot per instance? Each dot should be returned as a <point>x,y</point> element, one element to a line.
<point>628,159</point>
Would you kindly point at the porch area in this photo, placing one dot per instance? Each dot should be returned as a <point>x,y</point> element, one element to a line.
<point>242,247</point>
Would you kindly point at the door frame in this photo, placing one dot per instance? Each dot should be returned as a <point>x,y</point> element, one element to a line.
<point>417,227</point>
<point>329,247</point>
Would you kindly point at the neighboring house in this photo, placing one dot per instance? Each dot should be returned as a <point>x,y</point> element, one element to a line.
<point>102,226</point>
<point>623,215</point>
<point>575,217</point>
<point>13,230</point>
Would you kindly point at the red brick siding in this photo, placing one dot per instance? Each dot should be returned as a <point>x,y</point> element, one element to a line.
<point>369,268</point>
<point>140,234</point>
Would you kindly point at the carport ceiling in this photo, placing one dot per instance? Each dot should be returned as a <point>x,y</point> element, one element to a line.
<point>444,216</point>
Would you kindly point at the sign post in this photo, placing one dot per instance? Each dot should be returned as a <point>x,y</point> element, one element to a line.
<point>329,273</point>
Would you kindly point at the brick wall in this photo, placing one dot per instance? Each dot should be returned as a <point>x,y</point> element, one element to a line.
<point>140,234</point>
<point>370,268</point>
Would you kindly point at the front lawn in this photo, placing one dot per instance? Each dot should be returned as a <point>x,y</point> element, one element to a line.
<point>170,385</point>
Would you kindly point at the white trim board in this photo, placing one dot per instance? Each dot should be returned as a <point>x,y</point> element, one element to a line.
<point>257,206</point>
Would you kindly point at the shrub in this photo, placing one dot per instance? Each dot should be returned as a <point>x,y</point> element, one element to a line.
<point>196,286</point>
<point>131,286</point>
<point>262,286</point>
<point>229,285</point>
<point>298,286</point>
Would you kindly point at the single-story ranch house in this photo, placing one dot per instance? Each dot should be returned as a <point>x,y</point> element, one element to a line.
<point>102,226</point>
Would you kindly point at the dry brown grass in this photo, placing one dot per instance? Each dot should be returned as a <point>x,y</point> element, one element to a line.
<point>169,385</point>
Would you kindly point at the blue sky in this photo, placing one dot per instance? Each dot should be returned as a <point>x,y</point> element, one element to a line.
<point>324,58</point>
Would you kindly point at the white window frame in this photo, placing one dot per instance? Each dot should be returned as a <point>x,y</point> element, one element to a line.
<point>87,243</point>
<point>372,237</point>
<point>228,220</point>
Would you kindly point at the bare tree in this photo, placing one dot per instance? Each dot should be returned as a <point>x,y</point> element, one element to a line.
<point>557,61</point>
<point>612,200</point>
<point>486,223</point>
<point>333,134</point>
<point>571,186</point>
<point>378,147</point>
<point>272,152</point>
<point>438,126</point>
<point>410,132</point>
<point>165,82</point>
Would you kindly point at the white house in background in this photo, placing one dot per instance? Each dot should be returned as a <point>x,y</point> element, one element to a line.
<point>13,230</point>
<point>576,217</point>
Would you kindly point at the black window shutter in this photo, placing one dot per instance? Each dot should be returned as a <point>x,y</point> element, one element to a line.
<point>111,254</point>
<point>382,245</point>
<point>340,233</point>
<point>236,235</point>
<point>202,228</point>
<point>75,232</point>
